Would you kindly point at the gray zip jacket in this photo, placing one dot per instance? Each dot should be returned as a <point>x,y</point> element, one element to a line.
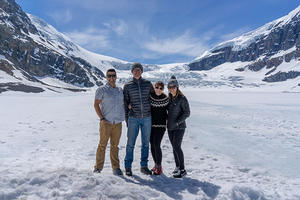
<point>137,95</point>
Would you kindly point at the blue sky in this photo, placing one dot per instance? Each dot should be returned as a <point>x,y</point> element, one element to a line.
<point>155,31</point>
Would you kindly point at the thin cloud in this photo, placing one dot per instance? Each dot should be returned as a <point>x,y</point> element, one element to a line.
<point>92,39</point>
<point>117,26</point>
<point>184,45</point>
<point>61,16</point>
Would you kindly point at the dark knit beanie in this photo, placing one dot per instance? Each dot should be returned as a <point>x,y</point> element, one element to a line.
<point>137,65</point>
<point>173,81</point>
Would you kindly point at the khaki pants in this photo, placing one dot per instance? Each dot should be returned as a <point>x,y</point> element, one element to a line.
<point>112,132</point>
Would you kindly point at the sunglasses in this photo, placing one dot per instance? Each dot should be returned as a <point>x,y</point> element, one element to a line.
<point>111,75</point>
<point>159,88</point>
<point>172,87</point>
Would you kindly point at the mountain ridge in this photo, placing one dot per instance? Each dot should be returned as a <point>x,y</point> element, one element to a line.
<point>33,52</point>
<point>260,47</point>
<point>34,49</point>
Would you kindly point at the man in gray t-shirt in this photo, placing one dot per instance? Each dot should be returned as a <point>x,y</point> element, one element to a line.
<point>109,106</point>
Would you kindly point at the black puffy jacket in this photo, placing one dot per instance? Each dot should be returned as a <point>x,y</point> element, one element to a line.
<point>137,95</point>
<point>178,112</point>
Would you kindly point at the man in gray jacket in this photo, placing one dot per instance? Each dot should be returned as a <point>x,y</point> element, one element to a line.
<point>138,116</point>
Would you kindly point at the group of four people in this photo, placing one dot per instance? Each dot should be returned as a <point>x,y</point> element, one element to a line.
<point>144,108</point>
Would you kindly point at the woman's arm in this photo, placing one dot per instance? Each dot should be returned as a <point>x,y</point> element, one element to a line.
<point>185,108</point>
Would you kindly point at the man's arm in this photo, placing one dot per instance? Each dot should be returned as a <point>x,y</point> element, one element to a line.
<point>98,109</point>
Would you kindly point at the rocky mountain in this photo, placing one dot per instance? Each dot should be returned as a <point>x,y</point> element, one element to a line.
<point>35,57</point>
<point>268,47</point>
<point>31,50</point>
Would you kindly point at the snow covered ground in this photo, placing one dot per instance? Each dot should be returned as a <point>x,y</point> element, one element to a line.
<point>238,145</point>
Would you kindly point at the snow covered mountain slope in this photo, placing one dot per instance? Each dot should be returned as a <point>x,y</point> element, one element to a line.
<point>270,53</point>
<point>35,50</point>
<point>266,59</point>
<point>35,54</point>
<point>65,46</point>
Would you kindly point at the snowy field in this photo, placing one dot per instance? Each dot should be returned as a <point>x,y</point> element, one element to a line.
<point>238,145</point>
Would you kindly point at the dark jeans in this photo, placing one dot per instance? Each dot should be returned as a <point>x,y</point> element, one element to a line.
<point>175,137</point>
<point>155,141</point>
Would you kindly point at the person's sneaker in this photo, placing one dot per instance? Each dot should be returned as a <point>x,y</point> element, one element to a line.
<point>176,170</point>
<point>158,171</point>
<point>146,171</point>
<point>96,170</point>
<point>117,172</point>
<point>128,172</point>
<point>180,174</point>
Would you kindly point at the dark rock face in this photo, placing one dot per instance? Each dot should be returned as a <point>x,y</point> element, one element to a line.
<point>281,37</point>
<point>19,87</point>
<point>282,76</point>
<point>274,62</point>
<point>6,67</point>
<point>94,72</point>
<point>16,17</point>
<point>220,56</point>
<point>35,59</point>
<point>260,64</point>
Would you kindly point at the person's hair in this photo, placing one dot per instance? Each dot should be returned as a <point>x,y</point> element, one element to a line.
<point>111,70</point>
<point>160,83</point>
<point>178,92</point>
<point>136,65</point>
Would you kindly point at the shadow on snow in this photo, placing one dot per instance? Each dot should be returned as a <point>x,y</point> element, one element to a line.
<point>173,187</point>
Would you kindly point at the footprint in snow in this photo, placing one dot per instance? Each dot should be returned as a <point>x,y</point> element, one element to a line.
<point>47,122</point>
<point>244,170</point>
<point>64,182</point>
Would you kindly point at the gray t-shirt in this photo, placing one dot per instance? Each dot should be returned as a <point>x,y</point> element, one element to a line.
<point>112,103</point>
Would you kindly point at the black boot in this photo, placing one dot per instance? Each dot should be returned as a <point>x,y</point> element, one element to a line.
<point>176,170</point>
<point>128,172</point>
<point>180,174</point>
<point>146,171</point>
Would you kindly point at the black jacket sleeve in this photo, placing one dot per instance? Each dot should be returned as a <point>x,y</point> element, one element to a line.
<point>126,102</point>
<point>185,108</point>
<point>152,89</point>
